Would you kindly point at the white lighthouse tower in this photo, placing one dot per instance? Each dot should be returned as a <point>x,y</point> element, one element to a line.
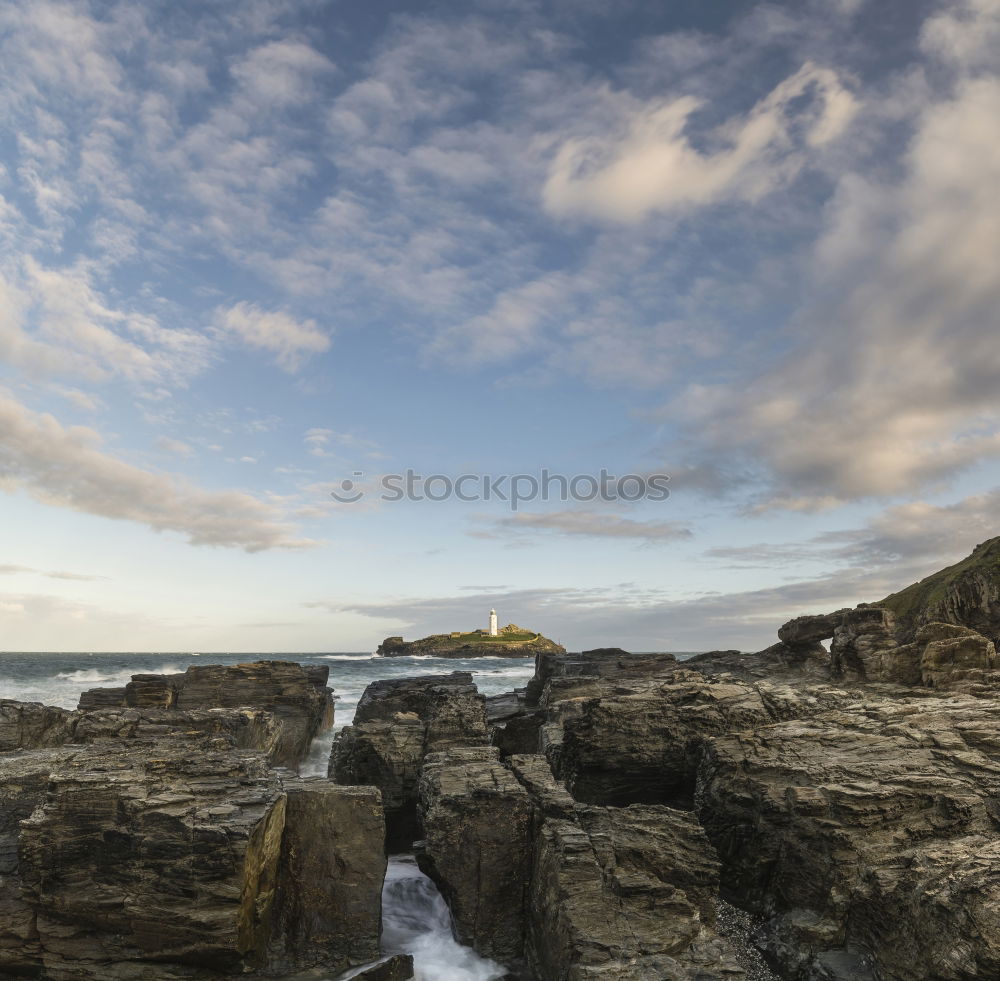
<point>493,623</point>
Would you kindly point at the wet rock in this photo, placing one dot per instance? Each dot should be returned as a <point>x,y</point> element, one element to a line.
<point>399,967</point>
<point>387,755</point>
<point>397,724</point>
<point>477,821</point>
<point>180,857</point>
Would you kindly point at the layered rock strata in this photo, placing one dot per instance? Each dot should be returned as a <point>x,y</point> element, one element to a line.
<point>396,725</point>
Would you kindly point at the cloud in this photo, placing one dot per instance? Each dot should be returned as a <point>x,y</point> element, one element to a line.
<point>174,446</point>
<point>591,524</point>
<point>64,467</point>
<point>291,341</point>
<point>281,73</point>
<point>55,322</point>
<point>630,616</point>
<point>892,383</point>
<point>655,166</point>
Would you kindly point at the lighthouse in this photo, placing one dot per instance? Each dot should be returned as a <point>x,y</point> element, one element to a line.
<point>493,623</point>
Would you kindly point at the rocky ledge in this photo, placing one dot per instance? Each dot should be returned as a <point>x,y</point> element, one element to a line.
<point>162,836</point>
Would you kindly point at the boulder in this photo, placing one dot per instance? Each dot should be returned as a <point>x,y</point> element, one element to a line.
<point>477,821</point>
<point>860,640</point>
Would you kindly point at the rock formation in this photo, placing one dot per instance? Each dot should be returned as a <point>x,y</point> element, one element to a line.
<point>296,697</point>
<point>162,843</point>
<point>396,725</point>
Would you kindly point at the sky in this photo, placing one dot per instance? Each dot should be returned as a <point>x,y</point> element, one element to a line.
<point>251,250</point>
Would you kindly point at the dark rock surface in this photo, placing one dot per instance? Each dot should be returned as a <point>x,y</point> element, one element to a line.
<point>397,724</point>
<point>180,858</point>
<point>477,821</point>
<point>869,830</point>
<point>161,842</point>
<point>399,967</point>
<point>297,698</point>
<point>625,893</point>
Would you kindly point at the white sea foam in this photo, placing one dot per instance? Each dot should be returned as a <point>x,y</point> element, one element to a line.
<point>416,920</point>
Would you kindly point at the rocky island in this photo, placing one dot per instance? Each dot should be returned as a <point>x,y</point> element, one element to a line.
<point>509,641</point>
<point>831,810</point>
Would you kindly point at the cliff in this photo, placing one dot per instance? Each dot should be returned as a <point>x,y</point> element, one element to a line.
<point>966,594</point>
<point>512,641</point>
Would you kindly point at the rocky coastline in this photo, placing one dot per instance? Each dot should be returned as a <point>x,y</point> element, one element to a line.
<point>830,810</point>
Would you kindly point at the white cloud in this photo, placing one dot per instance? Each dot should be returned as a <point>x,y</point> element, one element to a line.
<point>894,383</point>
<point>655,166</point>
<point>56,322</point>
<point>281,73</point>
<point>64,467</point>
<point>291,341</point>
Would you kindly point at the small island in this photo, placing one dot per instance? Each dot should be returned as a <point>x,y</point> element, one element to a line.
<point>509,641</point>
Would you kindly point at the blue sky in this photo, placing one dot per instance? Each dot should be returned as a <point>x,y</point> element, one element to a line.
<point>250,249</point>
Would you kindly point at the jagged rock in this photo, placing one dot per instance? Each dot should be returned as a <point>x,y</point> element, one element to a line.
<point>810,629</point>
<point>641,743</point>
<point>397,724</point>
<point>807,661</point>
<point>297,697</point>
<point>871,828</point>
<point>477,821</point>
<point>387,755</point>
<point>384,699</point>
<point>31,725</point>
<point>861,637</point>
<point>623,894</point>
<point>549,796</point>
<point>100,698</point>
<point>604,662</point>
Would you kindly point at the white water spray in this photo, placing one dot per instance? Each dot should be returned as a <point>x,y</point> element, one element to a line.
<point>416,920</point>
